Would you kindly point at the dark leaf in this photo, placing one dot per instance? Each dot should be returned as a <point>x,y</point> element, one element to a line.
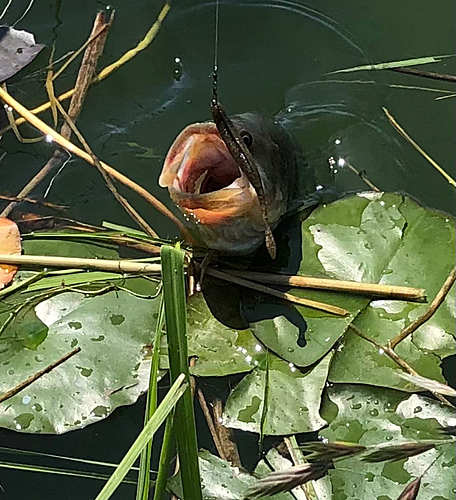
<point>17,49</point>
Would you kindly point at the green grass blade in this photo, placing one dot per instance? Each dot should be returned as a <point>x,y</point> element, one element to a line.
<point>176,324</point>
<point>165,458</point>
<point>393,64</point>
<point>169,401</point>
<point>142,491</point>
<point>59,472</point>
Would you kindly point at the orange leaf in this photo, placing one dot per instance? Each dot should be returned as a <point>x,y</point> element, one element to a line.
<point>10,244</point>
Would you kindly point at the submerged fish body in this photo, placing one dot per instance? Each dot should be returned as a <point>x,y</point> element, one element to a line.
<point>211,190</point>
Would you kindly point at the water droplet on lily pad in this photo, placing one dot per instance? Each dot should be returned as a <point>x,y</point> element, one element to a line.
<point>417,409</point>
<point>26,400</point>
<point>37,407</point>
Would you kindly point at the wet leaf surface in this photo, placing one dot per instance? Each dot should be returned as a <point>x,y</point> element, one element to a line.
<point>371,416</point>
<point>111,369</point>
<point>221,481</point>
<point>371,237</point>
<point>428,239</point>
<point>293,399</point>
<point>220,350</point>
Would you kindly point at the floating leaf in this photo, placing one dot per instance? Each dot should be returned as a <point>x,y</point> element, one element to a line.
<point>10,244</point>
<point>370,237</point>
<point>372,416</point>
<point>292,404</point>
<point>111,370</point>
<point>220,481</point>
<point>17,49</point>
<point>220,350</point>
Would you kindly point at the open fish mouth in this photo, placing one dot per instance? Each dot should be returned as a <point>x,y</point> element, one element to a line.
<point>205,181</point>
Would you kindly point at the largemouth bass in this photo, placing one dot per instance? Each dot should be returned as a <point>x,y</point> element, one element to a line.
<point>206,183</point>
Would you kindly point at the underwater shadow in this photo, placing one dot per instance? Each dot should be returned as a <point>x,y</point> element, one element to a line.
<point>238,307</point>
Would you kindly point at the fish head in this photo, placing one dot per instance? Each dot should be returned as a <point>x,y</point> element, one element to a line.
<point>212,192</point>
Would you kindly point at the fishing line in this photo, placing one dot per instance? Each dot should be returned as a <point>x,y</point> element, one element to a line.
<point>25,13</point>
<point>5,10</point>
<point>216,37</point>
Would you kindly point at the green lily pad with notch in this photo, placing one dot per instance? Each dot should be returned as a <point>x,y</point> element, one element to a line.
<point>293,398</point>
<point>113,331</point>
<point>372,416</point>
<point>221,481</point>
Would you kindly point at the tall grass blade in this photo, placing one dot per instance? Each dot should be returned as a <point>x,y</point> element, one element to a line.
<point>165,458</point>
<point>176,325</point>
<point>142,491</point>
<point>58,471</point>
<point>393,64</point>
<point>169,401</point>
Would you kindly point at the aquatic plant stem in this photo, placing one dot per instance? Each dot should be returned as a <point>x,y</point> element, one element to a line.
<point>435,304</point>
<point>210,423</point>
<point>105,72</point>
<point>64,143</point>
<point>94,50</point>
<point>425,74</point>
<point>176,325</point>
<point>339,311</point>
<point>12,392</point>
<point>116,266</point>
<point>392,292</point>
<point>143,485</point>
<point>394,357</point>
<point>110,185</point>
<point>418,148</point>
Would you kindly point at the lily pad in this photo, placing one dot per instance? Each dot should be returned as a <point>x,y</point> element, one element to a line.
<point>371,416</point>
<point>429,238</point>
<point>293,398</point>
<point>371,237</point>
<point>221,481</point>
<point>111,369</point>
<point>220,350</point>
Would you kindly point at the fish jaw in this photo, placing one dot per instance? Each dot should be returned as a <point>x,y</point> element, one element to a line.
<point>207,185</point>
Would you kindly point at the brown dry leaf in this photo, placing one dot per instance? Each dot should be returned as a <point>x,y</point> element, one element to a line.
<point>10,244</point>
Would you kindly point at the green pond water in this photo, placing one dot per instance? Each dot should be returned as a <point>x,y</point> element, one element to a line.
<point>273,57</point>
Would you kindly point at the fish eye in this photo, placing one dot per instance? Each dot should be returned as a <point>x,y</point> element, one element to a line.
<point>246,138</point>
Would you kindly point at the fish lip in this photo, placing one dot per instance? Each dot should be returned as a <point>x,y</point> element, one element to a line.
<point>181,171</point>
